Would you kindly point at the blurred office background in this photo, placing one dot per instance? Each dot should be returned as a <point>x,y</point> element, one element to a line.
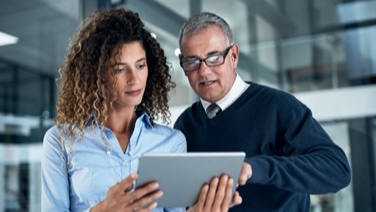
<point>322,51</point>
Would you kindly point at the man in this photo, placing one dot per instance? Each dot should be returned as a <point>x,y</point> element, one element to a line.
<point>289,155</point>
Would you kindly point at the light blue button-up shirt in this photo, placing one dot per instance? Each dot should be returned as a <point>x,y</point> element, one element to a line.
<point>93,168</point>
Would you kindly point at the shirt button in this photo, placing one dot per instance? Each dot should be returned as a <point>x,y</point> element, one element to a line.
<point>124,163</point>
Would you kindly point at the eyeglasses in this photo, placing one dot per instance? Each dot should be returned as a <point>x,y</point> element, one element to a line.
<point>211,61</point>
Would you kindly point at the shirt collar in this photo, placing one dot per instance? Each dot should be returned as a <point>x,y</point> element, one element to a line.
<point>144,117</point>
<point>236,90</point>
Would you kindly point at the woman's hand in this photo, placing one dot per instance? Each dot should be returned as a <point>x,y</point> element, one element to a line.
<point>119,199</point>
<point>217,196</point>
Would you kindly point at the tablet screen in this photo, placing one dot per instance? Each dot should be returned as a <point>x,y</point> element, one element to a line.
<point>181,175</point>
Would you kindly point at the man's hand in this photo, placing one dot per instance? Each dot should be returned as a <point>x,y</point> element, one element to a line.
<point>217,196</point>
<point>245,174</point>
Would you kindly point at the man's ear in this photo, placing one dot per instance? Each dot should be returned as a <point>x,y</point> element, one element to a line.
<point>235,54</point>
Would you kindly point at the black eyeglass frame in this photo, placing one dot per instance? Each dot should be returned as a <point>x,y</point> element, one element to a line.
<point>224,55</point>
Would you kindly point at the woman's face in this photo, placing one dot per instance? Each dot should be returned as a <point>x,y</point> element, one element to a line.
<point>131,73</point>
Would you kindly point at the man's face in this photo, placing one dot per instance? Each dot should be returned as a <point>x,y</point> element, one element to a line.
<point>210,83</point>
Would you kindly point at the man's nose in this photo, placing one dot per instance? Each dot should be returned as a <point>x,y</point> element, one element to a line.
<point>203,69</point>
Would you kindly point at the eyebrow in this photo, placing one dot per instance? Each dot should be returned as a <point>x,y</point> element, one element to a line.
<point>207,55</point>
<point>121,63</point>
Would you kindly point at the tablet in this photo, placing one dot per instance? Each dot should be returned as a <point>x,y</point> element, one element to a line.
<point>181,175</point>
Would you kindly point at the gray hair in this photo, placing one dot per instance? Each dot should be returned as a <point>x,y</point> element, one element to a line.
<point>200,22</point>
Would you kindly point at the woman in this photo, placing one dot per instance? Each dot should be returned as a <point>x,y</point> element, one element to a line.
<point>115,84</point>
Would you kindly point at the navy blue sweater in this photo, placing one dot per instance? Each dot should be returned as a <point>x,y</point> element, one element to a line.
<point>290,153</point>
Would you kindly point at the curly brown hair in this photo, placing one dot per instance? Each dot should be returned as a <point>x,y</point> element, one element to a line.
<point>84,80</point>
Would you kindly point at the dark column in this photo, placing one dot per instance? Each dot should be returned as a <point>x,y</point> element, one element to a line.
<point>363,164</point>
<point>15,96</point>
<point>23,196</point>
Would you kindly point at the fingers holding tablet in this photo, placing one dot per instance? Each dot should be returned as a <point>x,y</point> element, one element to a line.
<point>144,198</point>
<point>119,196</point>
<point>224,198</point>
<point>217,196</point>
